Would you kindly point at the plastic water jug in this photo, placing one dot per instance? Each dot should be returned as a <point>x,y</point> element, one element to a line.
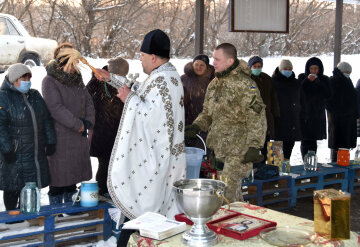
<point>194,157</point>
<point>30,199</point>
<point>89,194</point>
<point>310,161</point>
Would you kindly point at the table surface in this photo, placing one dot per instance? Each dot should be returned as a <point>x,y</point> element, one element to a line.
<point>282,219</point>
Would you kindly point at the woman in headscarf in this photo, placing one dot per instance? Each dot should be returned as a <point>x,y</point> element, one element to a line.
<point>287,126</point>
<point>198,75</point>
<point>342,110</point>
<point>314,93</point>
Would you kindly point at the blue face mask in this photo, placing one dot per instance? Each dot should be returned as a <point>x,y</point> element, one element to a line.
<point>24,86</point>
<point>346,75</point>
<point>256,72</point>
<point>286,73</point>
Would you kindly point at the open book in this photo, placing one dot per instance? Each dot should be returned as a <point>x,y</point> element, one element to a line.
<point>156,226</point>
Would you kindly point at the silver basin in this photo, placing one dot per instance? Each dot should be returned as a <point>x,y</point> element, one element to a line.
<point>200,199</point>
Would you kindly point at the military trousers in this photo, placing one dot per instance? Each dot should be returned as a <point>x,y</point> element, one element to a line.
<point>234,171</point>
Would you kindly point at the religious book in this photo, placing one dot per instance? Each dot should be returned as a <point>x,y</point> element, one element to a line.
<point>156,226</point>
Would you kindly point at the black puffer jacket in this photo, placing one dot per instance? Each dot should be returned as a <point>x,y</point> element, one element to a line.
<point>313,100</point>
<point>342,112</point>
<point>26,127</point>
<point>287,126</point>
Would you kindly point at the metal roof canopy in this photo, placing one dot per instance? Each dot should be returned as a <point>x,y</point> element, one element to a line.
<point>199,27</point>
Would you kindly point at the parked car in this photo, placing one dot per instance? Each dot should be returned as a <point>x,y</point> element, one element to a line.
<point>17,46</point>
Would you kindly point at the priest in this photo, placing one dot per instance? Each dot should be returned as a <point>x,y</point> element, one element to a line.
<point>149,151</point>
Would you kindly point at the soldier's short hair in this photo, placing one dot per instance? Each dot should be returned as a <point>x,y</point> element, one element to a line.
<point>228,49</point>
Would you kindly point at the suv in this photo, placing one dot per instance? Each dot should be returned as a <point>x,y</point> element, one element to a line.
<point>17,46</point>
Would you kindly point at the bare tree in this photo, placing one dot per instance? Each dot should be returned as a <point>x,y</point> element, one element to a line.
<point>110,28</point>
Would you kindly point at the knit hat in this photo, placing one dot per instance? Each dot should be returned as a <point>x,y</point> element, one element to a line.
<point>16,71</point>
<point>255,59</point>
<point>285,64</point>
<point>203,58</point>
<point>118,66</point>
<point>156,42</point>
<point>344,67</point>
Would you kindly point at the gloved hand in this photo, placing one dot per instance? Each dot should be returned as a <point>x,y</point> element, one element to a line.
<point>87,126</point>
<point>191,131</point>
<point>9,157</point>
<point>253,155</point>
<point>50,149</point>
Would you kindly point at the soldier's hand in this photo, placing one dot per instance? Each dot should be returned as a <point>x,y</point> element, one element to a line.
<point>191,131</point>
<point>253,155</point>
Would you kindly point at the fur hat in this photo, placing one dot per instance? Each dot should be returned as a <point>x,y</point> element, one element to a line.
<point>156,42</point>
<point>118,66</point>
<point>285,64</point>
<point>203,58</point>
<point>16,71</point>
<point>344,67</point>
<point>255,59</point>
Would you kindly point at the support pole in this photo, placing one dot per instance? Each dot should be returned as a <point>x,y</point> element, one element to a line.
<point>199,27</point>
<point>338,28</point>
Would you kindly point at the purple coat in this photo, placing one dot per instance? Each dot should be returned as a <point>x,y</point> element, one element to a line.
<point>68,101</point>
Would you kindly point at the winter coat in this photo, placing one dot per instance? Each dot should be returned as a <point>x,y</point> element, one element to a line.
<point>287,126</point>
<point>342,112</point>
<point>108,112</point>
<point>358,105</point>
<point>268,95</point>
<point>194,95</point>
<point>26,127</point>
<point>313,100</point>
<point>68,101</point>
<point>194,91</point>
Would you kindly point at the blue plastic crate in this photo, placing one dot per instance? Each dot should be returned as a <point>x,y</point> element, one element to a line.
<point>304,183</point>
<point>274,193</point>
<point>353,177</point>
<point>92,223</point>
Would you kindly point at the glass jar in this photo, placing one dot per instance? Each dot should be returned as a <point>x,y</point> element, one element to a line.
<point>310,161</point>
<point>30,199</point>
<point>285,168</point>
<point>357,155</point>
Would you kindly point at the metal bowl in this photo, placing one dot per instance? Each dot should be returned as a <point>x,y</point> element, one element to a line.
<point>199,198</point>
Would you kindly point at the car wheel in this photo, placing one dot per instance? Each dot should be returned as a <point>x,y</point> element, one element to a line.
<point>31,60</point>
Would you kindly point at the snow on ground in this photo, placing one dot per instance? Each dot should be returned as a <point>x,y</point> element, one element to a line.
<point>270,63</point>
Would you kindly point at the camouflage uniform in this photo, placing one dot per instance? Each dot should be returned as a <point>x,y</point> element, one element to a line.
<point>234,117</point>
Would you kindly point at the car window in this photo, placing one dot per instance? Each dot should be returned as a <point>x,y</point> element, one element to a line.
<point>3,28</point>
<point>12,29</point>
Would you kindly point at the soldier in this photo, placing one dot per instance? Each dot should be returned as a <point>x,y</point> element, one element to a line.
<point>234,117</point>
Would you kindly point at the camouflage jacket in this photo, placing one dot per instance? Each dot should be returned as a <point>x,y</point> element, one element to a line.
<point>233,112</point>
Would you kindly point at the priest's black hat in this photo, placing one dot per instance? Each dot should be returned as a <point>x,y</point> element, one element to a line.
<point>156,42</point>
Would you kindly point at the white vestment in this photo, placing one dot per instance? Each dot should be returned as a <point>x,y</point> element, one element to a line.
<point>149,151</point>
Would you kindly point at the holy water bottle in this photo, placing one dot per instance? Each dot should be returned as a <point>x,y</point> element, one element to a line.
<point>30,199</point>
<point>310,161</point>
<point>357,155</point>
